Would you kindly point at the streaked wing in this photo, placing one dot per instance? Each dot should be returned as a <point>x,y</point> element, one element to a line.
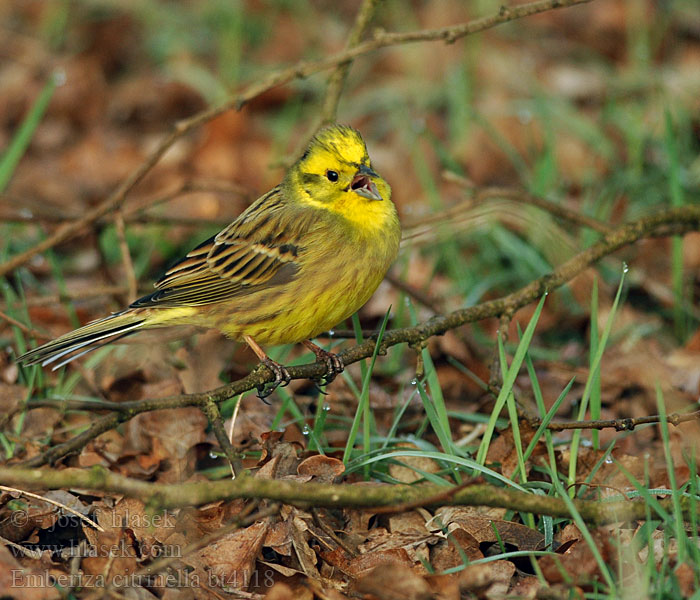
<point>259,248</point>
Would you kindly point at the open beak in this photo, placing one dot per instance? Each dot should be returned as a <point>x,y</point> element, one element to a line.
<point>362,184</point>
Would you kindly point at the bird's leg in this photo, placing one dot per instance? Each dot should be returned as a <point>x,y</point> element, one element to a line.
<point>334,364</point>
<point>281,374</point>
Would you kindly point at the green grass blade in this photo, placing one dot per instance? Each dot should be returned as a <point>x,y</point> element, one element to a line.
<point>436,422</point>
<point>436,393</point>
<point>363,404</point>
<point>576,437</point>
<point>546,420</point>
<point>446,458</point>
<point>581,524</point>
<point>20,141</point>
<point>595,371</point>
<point>508,382</point>
<point>676,193</point>
<point>679,526</point>
<point>512,414</point>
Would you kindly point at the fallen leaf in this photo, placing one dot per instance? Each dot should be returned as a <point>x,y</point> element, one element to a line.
<point>394,581</point>
<point>230,561</point>
<point>323,469</point>
<point>20,582</point>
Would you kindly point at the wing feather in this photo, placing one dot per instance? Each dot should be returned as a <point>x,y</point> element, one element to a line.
<point>261,247</point>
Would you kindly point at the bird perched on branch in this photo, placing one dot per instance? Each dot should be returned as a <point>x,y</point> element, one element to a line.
<point>301,259</point>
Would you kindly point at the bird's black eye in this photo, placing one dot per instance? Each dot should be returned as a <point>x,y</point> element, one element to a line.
<point>332,175</point>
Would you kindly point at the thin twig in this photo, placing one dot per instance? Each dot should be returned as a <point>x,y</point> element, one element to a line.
<point>233,456</point>
<point>418,295</point>
<point>131,283</point>
<point>70,295</point>
<point>684,219</point>
<point>328,530</point>
<point>300,70</point>
<point>30,331</point>
<point>134,212</point>
<point>60,505</point>
<point>623,424</point>
<point>34,554</point>
<point>336,81</point>
<point>311,494</point>
<point>483,195</point>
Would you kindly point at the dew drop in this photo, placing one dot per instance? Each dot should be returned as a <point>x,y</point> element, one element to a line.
<point>608,460</point>
<point>213,455</point>
<point>59,77</point>
<point>525,116</point>
<point>625,267</point>
<point>414,381</point>
<point>306,430</point>
<point>326,407</point>
<point>331,333</point>
<point>586,443</point>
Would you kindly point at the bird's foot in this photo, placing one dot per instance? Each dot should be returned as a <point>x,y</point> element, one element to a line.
<point>282,378</point>
<point>334,364</point>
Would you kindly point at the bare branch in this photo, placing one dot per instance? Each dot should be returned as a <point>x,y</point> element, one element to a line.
<point>623,424</point>
<point>681,220</point>
<point>162,496</point>
<point>337,79</point>
<point>300,70</point>
<point>217,424</point>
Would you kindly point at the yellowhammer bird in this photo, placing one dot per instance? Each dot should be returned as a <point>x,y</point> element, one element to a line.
<point>301,259</point>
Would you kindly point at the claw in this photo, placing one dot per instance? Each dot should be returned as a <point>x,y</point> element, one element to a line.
<point>334,364</point>
<point>282,378</point>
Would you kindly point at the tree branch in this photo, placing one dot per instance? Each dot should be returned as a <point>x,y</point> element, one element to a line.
<point>162,496</point>
<point>337,79</point>
<point>621,424</point>
<point>301,70</point>
<point>680,220</point>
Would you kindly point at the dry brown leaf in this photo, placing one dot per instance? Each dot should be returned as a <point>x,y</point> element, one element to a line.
<point>113,554</point>
<point>502,450</point>
<point>323,469</point>
<point>170,436</point>
<point>525,587</point>
<point>450,553</point>
<point>282,591</point>
<point>104,450</point>
<point>394,581</point>
<point>484,529</point>
<point>279,537</point>
<point>40,421</point>
<point>28,583</point>
<point>685,574</point>
<point>364,563</point>
<point>11,397</point>
<point>150,530</point>
<point>204,362</point>
<point>415,543</point>
<point>305,556</point>
<point>230,561</point>
<point>410,522</point>
<point>577,561</point>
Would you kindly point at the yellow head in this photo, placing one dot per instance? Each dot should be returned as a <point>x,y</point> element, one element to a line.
<point>335,173</point>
